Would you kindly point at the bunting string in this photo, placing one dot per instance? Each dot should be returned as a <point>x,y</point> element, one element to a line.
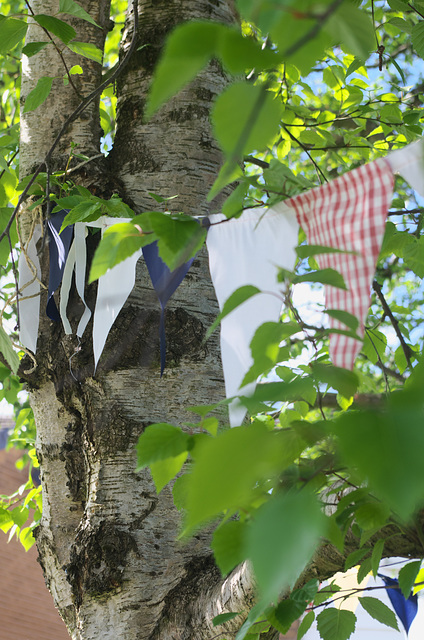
<point>347,214</point>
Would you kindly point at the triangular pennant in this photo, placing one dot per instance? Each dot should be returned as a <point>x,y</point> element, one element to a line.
<point>76,260</point>
<point>113,289</point>
<point>348,213</point>
<point>59,245</point>
<point>165,283</point>
<point>409,163</point>
<point>248,251</point>
<point>406,609</point>
<point>29,292</point>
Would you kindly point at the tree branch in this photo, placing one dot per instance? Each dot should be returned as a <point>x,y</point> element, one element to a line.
<point>388,313</point>
<point>81,107</point>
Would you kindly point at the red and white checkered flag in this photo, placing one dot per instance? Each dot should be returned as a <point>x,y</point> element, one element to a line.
<point>348,213</point>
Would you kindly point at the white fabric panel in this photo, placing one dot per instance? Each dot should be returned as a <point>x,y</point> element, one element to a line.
<point>409,162</point>
<point>66,287</point>
<point>113,290</point>
<point>29,287</point>
<point>80,231</point>
<point>242,251</point>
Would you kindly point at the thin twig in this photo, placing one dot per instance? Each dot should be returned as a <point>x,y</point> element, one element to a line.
<point>58,51</point>
<point>305,149</point>
<point>9,162</point>
<point>388,312</point>
<point>69,171</point>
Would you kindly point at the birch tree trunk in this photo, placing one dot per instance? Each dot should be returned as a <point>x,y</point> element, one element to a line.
<point>107,542</point>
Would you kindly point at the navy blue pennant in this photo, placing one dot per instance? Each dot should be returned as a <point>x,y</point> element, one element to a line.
<point>406,609</point>
<point>58,252</point>
<point>165,283</point>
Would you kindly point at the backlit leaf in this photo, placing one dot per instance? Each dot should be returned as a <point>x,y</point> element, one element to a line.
<point>160,441</point>
<point>324,276</point>
<point>37,96</point>
<point>74,9</point>
<point>86,49</point>
<point>228,545</point>
<point>245,117</point>
<point>235,300</point>
<point>57,27</point>
<point>8,352</point>
<point>12,32</point>
<point>164,470</point>
<point>282,539</point>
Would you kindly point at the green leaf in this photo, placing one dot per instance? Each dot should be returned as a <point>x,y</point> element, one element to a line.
<point>8,352</point>
<point>85,211</point>
<point>345,317</point>
<point>12,32</point>
<point>413,254</point>
<point>406,577</point>
<point>187,50</point>
<point>229,172</point>
<point>235,300</point>
<point>354,558</point>
<point>160,441</point>
<point>372,515</point>
<point>37,96</point>
<point>344,381</point>
<point>245,118</point>
<point>285,613</point>
<point>33,47</point>
<point>58,27</point>
<point>228,545</point>
<point>164,470</point>
<point>394,472</point>
<point>86,49</point>
<point>351,27</point>
<point>223,477</point>
<point>324,276</point>
<point>240,54</point>
<point>305,625</point>
<point>179,239</point>
<point>74,9</point>
<point>364,569</point>
<point>282,539</point>
<point>308,250</point>
<point>224,617</point>
<point>5,213</point>
<point>379,611</point>
<point>265,347</point>
<point>336,624</point>
<point>418,38</point>
<point>377,552</point>
<point>179,491</point>
<point>118,243</point>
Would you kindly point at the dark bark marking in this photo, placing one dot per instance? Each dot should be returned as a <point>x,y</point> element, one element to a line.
<point>98,560</point>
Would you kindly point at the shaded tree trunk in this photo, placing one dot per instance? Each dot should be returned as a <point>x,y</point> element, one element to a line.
<point>107,542</point>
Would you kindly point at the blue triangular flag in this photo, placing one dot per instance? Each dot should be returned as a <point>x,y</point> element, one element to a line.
<point>58,251</point>
<point>406,609</point>
<point>165,283</point>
